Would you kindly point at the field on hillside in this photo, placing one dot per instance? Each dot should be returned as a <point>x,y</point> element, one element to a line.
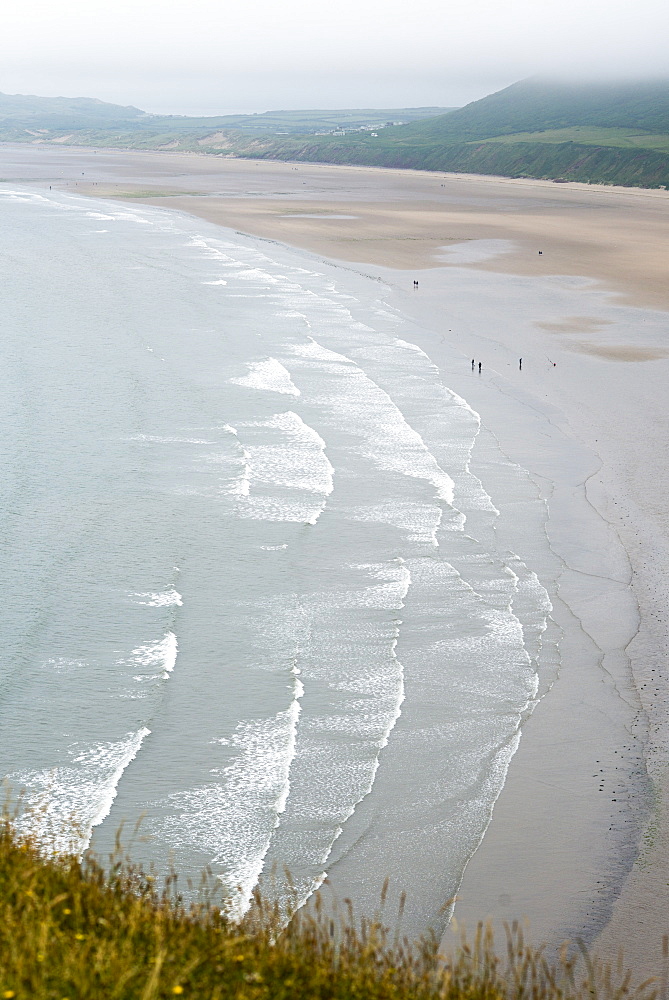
<point>587,135</point>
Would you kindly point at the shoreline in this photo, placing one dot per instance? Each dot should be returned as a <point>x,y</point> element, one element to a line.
<point>532,863</point>
<point>402,219</point>
<point>611,367</point>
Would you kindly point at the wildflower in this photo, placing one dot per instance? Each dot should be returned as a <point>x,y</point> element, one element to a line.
<point>67,910</point>
<point>40,956</point>
<point>239,958</point>
<point>79,937</point>
<point>177,989</point>
<point>8,994</point>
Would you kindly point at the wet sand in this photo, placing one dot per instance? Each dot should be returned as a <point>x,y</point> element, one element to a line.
<point>392,218</point>
<point>597,374</point>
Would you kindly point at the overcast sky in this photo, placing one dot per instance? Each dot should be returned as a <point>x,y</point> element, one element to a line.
<point>213,56</point>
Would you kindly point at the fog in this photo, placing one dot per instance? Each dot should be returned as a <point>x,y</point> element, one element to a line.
<point>208,56</point>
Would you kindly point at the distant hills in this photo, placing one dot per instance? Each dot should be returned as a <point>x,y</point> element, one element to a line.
<point>83,121</point>
<point>59,113</point>
<point>591,132</point>
<point>537,105</point>
<point>612,133</point>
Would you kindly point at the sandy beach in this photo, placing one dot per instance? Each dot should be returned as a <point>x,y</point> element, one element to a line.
<point>573,280</point>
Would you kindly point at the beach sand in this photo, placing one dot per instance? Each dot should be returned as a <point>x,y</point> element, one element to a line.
<point>586,415</point>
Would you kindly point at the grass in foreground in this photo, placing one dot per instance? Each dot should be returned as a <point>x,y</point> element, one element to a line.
<point>72,931</point>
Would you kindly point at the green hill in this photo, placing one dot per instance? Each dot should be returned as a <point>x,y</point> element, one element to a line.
<point>597,133</point>
<point>62,112</point>
<point>88,122</point>
<point>537,105</point>
<point>607,133</point>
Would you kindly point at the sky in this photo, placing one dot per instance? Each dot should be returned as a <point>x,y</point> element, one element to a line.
<point>216,56</point>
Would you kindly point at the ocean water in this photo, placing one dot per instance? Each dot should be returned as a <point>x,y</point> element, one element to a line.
<point>258,587</point>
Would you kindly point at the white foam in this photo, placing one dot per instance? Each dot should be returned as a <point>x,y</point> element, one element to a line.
<point>158,439</point>
<point>65,803</point>
<point>22,196</point>
<point>387,438</point>
<point>421,521</point>
<point>161,654</point>
<point>452,424</point>
<point>268,375</point>
<point>64,664</point>
<point>164,599</point>
<point>241,484</point>
<point>356,658</point>
<point>295,461</point>
<point>233,819</point>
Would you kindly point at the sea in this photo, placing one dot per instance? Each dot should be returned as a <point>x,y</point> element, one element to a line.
<point>262,611</point>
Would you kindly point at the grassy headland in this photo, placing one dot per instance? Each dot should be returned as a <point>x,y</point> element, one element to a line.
<point>72,930</point>
<point>595,133</point>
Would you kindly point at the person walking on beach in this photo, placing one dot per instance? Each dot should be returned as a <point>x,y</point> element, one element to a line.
<point>520,364</point>
<point>472,364</point>
<point>479,367</point>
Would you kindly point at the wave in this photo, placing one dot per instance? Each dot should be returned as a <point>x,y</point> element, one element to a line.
<point>293,460</point>
<point>233,819</point>
<point>339,743</point>
<point>387,439</point>
<point>163,599</point>
<point>161,655</point>
<point>66,803</point>
<point>268,375</point>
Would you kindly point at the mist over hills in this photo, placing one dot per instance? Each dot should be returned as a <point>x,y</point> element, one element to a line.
<point>540,105</point>
<point>612,133</point>
<point>89,119</point>
<point>63,112</point>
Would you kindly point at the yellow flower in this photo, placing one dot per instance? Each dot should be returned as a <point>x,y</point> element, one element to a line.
<point>40,956</point>
<point>8,994</point>
<point>79,937</point>
<point>67,910</point>
<point>239,958</point>
<point>177,989</point>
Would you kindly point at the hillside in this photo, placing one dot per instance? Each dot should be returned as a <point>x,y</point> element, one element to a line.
<point>71,928</point>
<point>63,112</point>
<point>537,105</point>
<point>595,133</point>
<point>606,133</point>
<point>88,122</point>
